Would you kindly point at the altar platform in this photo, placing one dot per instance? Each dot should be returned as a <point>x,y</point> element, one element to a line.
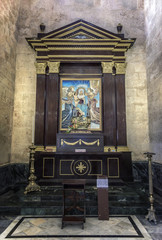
<point>124,199</point>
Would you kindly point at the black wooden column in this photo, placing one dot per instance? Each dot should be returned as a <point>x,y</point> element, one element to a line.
<point>40,102</point>
<point>120,102</point>
<point>109,108</point>
<point>52,104</point>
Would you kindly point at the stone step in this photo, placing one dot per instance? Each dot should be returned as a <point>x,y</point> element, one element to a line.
<point>122,200</point>
<point>89,196</point>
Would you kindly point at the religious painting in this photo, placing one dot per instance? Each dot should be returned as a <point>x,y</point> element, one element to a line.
<point>80,104</point>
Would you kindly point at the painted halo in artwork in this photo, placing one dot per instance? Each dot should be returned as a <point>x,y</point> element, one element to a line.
<point>80,104</point>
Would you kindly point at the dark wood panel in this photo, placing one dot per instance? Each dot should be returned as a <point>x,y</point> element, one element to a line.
<point>79,52</point>
<point>103,204</point>
<point>81,76</point>
<point>121,115</point>
<point>125,166</point>
<point>82,68</point>
<point>95,140</point>
<point>48,167</point>
<point>113,167</point>
<point>109,109</point>
<point>40,102</point>
<point>51,109</point>
<point>66,163</point>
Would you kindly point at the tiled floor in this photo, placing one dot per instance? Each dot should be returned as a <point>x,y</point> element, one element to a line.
<point>32,227</point>
<point>155,230</point>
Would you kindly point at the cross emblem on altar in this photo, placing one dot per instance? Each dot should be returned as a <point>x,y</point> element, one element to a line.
<point>81,167</point>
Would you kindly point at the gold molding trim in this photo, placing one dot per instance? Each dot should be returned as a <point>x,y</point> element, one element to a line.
<point>70,143</point>
<point>80,141</point>
<point>98,48</point>
<point>77,48</point>
<point>53,67</point>
<point>123,149</point>
<point>41,49</point>
<point>40,67</point>
<point>44,59</point>
<point>119,50</point>
<point>45,176</point>
<point>106,149</point>
<point>63,40</point>
<point>84,56</point>
<point>108,172</point>
<point>119,57</point>
<point>80,167</point>
<point>65,160</point>
<point>95,42</point>
<point>46,37</point>
<point>47,149</point>
<point>107,67</point>
<point>120,68</point>
<point>92,143</point>
<point>81,74</point>
<point>109,149</point>
<point>83,27</point>
<point>41,57</point>
<point>119,149</point>
<point>39,149</point>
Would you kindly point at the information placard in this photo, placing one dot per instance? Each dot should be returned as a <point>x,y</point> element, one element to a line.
<point>80,150</point>
<point>102,183</point>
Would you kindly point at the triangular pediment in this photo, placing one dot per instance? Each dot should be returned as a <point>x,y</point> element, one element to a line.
<point>80,41</point>
<point>83,27</point>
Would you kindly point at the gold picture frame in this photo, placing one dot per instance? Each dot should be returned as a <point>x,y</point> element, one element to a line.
<point>80,104</point>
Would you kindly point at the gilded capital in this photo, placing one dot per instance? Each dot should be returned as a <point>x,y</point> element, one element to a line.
<point>120,68</point>
<point>107,67</point>
<point>53,67</point>
<point>40,67</point>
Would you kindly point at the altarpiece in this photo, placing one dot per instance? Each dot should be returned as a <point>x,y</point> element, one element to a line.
<point>80,122</point>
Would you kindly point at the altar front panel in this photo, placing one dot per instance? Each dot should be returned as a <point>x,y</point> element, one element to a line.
<point>116,165</point>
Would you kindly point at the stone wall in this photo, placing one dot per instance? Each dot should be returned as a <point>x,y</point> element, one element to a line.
<point>136,102</point>
<point>103,13</point>
<point>24,107</point>
<point>8,41</point>
<point>153,11</point>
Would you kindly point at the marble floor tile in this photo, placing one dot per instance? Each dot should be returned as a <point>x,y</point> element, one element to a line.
<point>48,227</point>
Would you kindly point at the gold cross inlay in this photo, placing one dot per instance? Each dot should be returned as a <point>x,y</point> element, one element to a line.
<point>81,167</point>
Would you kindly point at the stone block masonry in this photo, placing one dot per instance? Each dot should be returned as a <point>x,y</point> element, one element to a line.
<point>9,10</point>
<point>153,10</point>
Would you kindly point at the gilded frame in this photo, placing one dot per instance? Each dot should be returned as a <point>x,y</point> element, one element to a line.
<point>97,100</point>
<point>118,169</point>
<point>53,167</point>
